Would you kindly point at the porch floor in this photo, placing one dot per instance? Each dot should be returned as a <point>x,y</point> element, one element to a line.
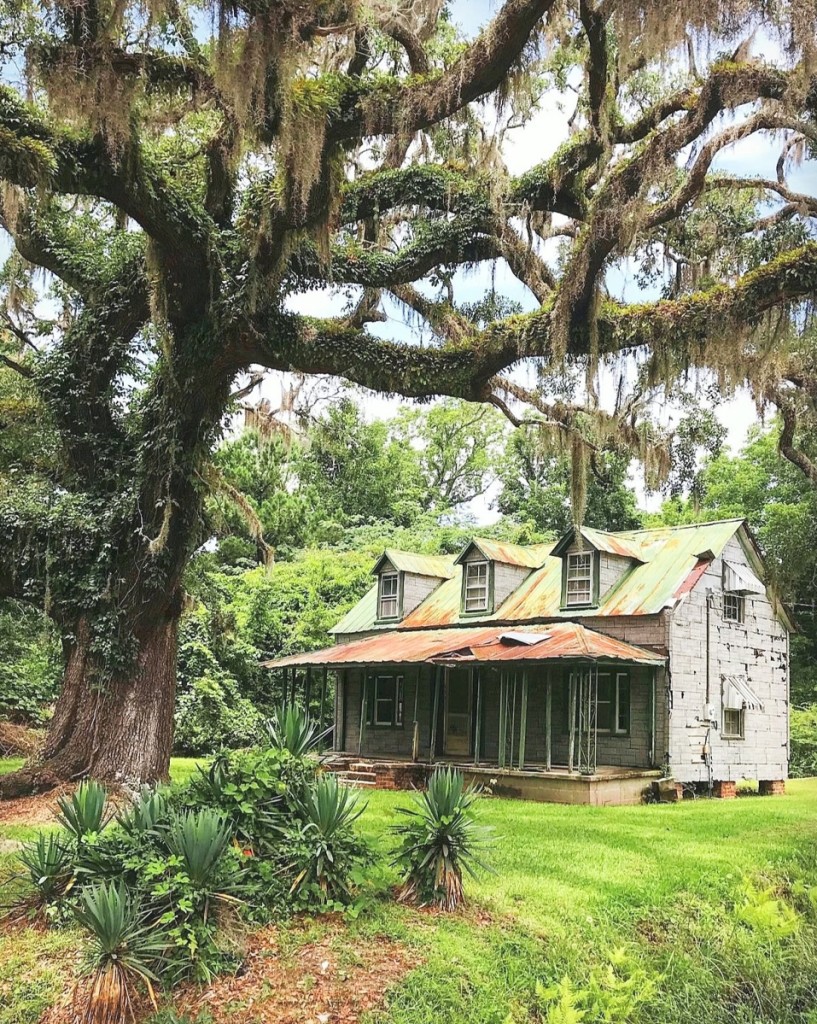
<point>609,784</point>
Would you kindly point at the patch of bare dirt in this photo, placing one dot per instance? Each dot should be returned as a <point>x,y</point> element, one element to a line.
<point>326,981</point>
<point>39,809</point>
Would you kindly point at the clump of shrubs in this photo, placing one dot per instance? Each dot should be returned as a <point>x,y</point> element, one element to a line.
<point>166,885</point>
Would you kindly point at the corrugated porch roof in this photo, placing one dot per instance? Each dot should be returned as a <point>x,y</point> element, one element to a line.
<point>556,641</point>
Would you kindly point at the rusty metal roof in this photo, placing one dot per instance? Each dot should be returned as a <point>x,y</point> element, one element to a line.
<point>439,566</point>
<point>530,557</point>
<point>665,558</point>
<point>559,641</point>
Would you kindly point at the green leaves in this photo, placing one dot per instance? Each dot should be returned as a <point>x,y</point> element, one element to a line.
<point>291,729</point>
<point>84,812</point>
<point>199,838</point>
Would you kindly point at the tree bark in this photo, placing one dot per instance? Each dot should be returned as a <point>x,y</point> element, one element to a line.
<point>120,732</point>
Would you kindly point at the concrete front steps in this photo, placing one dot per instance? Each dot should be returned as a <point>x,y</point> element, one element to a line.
<point>359,775</point>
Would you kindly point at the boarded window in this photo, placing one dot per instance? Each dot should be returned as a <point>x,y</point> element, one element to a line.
<point>476,586</point>
<point>389,591</point>
<point>579,590</point>
<point>733,723</point>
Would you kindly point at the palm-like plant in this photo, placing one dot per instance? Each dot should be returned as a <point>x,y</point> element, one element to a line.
<point>291,728</point>
<point>328,812</point>
<point>143,814</point>
<point>48,863</point>
<point>123,951</point>
<point>85,810</point>
<point>199,838</point>
<point>439,840</point>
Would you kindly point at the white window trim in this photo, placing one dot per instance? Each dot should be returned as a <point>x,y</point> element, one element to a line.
<point>396,721</point>
<point>740,605</point>
<point>615,704</point>
<point>395,597</point>
<point>487,586</point>
<point>573,602</point>
<point>741,712</point>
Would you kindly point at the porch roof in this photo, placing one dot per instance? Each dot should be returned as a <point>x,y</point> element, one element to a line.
<point>553,642</point>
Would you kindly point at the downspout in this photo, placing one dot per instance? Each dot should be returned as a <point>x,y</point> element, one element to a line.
<point>708,737</point>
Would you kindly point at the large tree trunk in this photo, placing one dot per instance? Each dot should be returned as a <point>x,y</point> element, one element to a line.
<point>120,732</point>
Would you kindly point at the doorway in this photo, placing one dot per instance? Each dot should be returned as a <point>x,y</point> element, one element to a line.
<point>458,700</point>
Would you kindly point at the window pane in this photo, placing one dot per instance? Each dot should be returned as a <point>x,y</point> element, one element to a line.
<point>623,721</point>
<point>388,607</point>
<point>579,588</point>
<point>476,586</point>
<point>384,701</point>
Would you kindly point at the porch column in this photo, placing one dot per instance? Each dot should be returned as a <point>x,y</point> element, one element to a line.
<point>364,694</point>
<point>294,683</point>
<point>513,719</point>
<point>415,724</point>
<point>653,674</point>
<point>435,712</point>
<point>523,719</point>
<point>478,724</point>
<point>571,705</point>
<point>308,689</point>
<point>503,717</point>
<point>322,712</point>
<point>549,722</point>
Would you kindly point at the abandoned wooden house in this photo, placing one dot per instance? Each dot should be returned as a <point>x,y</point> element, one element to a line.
<point>577,672</point>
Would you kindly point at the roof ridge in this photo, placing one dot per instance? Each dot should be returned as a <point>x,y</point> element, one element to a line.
<point>679,526</point>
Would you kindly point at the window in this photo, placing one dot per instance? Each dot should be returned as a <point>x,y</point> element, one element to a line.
<point>733,607</point>
<point>389,590</point>
<point>384,702</point>
<point>613,708</point>
<point>579,589</point>
<point>733,723</point>
<point>476,586</point>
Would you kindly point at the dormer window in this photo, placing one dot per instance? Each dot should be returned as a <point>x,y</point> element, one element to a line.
<point>579,581</point>
<point>476,587</point>
<point>388,598</point>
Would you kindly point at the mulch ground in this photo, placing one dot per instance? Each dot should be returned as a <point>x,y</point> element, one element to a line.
<point>326,981</point>
<point>40,809</point>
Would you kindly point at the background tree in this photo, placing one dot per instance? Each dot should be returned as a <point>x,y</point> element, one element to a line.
<point>180,177</point>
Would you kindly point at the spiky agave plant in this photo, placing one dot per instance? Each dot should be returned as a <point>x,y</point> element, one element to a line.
<point>150,807</point>
<point>199,838</point>
<point>440,839</point>
<point>85,811</point>
<point>47,861</point>
<point>123,951</point>
<point>328,812</point>
<point>291,728</point>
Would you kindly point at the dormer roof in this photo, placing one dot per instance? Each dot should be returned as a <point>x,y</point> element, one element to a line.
<point>530,557</point>
<point>613,543</point>
<point>439,566</point>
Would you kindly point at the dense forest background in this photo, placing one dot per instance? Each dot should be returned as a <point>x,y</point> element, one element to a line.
<point>304,503</point>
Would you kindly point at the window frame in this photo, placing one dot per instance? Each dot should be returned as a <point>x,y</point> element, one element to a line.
<point>477,563</point>
<point>615,706</point>
<point>592,579</point>
<point>396,698</point>
<point>741,734</point>
<point>397,596</point>
<point>739,604</point>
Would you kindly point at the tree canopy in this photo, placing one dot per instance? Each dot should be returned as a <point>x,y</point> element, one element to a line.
<point>181,173</point>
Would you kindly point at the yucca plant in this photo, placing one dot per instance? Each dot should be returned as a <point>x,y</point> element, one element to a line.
<point>291,728</point>
<point>199,838</point>
<point>123,951</point>
<point>149,808</point>
<point>48,863</point>
<point>328,812</point>
<point>85,810</point>
<point>440,839</point>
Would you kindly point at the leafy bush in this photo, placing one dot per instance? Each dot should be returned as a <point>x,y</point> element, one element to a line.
<point>47,860</point>
<point>439,840</point>
<point>331,854</point>
<point>803,742</point>
<point>83,813</point>
<point>31,666</point>
<point>614,994</point>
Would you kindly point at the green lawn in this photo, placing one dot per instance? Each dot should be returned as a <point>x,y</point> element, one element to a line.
<point>665,886</point>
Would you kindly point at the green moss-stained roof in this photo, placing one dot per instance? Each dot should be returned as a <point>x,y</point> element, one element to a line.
<point>440,566</point>
<point>530,557</point>
<point>662,560</point>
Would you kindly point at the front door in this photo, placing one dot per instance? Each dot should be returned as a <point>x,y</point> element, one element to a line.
<point>458,712</point>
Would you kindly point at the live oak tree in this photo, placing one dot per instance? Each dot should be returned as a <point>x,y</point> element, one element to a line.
<point>178,172</point>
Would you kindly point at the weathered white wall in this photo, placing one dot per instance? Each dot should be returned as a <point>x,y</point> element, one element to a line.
<point>416,589</point>
<point>757,649</point>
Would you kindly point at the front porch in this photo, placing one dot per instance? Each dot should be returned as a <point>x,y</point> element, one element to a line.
<point>608,785</point>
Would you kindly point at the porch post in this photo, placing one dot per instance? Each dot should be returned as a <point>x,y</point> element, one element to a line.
<point>364,695</point>
<point>322,712</point>
<point>652,717</point>
<point>571,749</point>
<point>294,683</point>
<point>415,725</point>
<point>513,719</point>
<point>503,712</point>
<point>341,685</point>
<point>435,712</point>
<point>523,719</point>
<point>549,722</point>
<point>284,698</point>
<point>308,689</point>
<point>478,728</point>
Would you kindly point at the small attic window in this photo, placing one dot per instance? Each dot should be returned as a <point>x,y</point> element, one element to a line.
<point>579,567</point>
<point>388,600</point>
<point>475,596</point>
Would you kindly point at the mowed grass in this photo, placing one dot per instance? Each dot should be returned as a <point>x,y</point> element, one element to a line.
<point>571,888</point>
